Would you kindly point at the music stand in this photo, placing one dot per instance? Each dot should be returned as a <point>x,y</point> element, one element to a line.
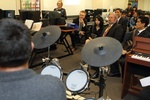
<point>99,52</point>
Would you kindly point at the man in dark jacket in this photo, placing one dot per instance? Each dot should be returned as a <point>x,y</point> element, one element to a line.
<point>113,30</point>
<point>82,33</point>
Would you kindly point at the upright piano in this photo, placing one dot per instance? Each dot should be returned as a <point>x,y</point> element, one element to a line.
<point>137,63</point>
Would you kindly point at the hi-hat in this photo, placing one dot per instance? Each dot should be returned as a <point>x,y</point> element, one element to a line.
<point>46,37</point>
<point>101,51</point>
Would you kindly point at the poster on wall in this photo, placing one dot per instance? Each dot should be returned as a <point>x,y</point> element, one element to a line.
<point>134,3</point>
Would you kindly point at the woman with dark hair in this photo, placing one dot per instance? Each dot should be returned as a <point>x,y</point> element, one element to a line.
<point>96,32</point>
<point>97,28</point>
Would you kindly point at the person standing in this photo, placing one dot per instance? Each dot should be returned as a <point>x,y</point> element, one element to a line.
<point>17,81</point>
<point>61,10</point>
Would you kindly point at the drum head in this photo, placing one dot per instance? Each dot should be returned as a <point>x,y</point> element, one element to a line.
<point>51,70</point>
<point>76,80</point>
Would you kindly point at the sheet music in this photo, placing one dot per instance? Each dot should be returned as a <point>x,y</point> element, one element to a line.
<point>145,81</point>
<point>36,26</point>
<point>29,23</point>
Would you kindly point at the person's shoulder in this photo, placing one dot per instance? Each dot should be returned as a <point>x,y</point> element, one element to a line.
<point>55,8</point>
<point>116,25</point>
<point>63,8</point>
<point>47,78</point>
<point>148,29</point>
<point>145,34</point>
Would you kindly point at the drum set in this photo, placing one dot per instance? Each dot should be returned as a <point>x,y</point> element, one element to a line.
<point>98,52</point>
<point>77,80</point>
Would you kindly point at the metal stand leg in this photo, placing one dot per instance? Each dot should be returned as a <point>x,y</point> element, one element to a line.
<point>101,83</point>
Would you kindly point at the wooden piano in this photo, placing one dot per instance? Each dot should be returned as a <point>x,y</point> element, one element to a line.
<point>137,63</point>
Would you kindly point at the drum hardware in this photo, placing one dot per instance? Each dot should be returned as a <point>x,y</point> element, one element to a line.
<point>99,52</point>
<point>52,68</point>
<point>44,39</point>
<point>84,66</point>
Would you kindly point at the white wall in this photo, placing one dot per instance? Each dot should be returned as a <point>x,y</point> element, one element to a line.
<point>146,5</point>
<point>107,4</point>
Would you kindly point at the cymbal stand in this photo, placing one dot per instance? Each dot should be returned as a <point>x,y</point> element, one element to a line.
<point>47,59</point>
<point>101,82</point>
<point>103,71</point>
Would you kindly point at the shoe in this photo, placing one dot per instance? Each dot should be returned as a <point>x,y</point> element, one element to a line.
<point>95,75</point>
<point>114,74</point>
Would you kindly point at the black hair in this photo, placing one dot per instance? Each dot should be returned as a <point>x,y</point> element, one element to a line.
<point>101,20</point>
<point>119,10</point>
<point>124,12</point>
<point>144,20</point>
<point>129,3</point>
<point>15,43</point>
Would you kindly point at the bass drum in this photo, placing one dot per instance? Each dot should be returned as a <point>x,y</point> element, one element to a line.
<point>77,81</point>
<point>53,70</point>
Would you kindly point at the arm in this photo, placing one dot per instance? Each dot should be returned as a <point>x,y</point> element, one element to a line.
<point>65,14</point>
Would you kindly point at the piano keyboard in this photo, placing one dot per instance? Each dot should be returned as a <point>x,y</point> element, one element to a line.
<point>141,57</point>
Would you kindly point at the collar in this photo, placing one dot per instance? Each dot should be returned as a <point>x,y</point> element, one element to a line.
<point>119,18</point>
<point>140,31</point>
<point>18,75</point>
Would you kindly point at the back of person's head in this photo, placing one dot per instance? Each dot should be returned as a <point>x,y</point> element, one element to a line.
<point>144,20</point>
<point>15,43</point>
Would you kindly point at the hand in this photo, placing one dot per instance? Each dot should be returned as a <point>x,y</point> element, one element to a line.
<point>81,32</point>
<point>133,27</point>
<point>82,21</point>
<point>124,52</point>
<point>90,38</point>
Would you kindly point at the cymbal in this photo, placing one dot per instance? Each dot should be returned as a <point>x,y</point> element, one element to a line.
<point>46,37</point>
<point>101,51</point>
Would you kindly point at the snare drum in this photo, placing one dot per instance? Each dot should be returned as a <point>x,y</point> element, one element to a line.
<point>53,70</point>
<point>77,80</point>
